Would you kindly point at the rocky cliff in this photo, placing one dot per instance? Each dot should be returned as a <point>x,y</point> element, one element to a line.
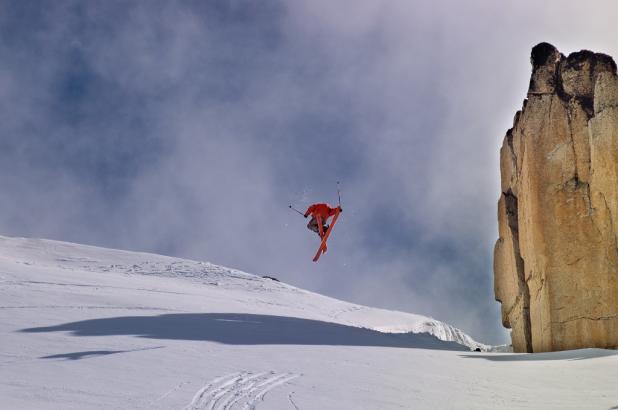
<point>556,260</point>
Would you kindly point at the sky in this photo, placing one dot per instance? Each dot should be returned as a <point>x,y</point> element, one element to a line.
<point>187,128</point>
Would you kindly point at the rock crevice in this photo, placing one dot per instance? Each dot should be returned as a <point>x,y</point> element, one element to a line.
<point>556,259</point>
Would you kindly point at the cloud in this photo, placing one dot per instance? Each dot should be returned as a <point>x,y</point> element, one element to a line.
<point>187,128</point>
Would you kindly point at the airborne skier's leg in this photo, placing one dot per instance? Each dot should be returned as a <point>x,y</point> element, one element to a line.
<point>313,225</point>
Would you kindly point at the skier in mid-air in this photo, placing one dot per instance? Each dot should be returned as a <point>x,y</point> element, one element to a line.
<point>320,213</point>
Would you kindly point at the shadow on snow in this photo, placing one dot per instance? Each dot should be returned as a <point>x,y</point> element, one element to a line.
<point>246,329</point>
<point>580,354</point>
<point>93,353</point>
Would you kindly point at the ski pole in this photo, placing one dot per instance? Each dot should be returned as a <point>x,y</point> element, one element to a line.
<point>338,194</point>
<point>294,209</point>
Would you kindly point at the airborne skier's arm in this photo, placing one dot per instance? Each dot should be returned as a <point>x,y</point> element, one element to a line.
<point>309,210</point>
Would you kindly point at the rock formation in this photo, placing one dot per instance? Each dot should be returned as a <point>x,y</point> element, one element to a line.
<point>556,260</point>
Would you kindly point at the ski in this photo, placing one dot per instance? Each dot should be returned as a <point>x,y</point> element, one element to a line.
<point>322,247</point>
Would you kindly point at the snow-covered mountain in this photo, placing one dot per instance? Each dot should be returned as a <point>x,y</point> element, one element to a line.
<point>55,255</point>
<point>83,327</point>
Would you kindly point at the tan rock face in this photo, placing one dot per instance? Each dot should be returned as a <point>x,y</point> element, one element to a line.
<point>556,260</point>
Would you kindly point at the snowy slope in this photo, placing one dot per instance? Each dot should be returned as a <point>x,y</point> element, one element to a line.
<point>88,328</point>
<point>72,257</point>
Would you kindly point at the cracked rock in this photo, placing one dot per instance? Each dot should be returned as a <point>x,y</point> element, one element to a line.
<point>556,259</point>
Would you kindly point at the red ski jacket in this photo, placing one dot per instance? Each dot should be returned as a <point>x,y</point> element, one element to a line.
<point>322,210</point>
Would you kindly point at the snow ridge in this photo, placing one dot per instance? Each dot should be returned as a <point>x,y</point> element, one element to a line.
<point>441,330</point>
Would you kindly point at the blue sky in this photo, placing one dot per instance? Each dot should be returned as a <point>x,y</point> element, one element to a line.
<point>187,128</point>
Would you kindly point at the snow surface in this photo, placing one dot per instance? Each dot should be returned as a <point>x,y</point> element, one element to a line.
<point>87,328</point>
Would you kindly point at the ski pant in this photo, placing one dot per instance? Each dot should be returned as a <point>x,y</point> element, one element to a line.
<point>313,225</point>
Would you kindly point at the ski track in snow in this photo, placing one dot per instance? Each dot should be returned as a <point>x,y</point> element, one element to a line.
<point>170,391</point>
<point>243,390</point>
<point>83,285</point>
<point>351,309</point>
<point>82,307</point>
<point>292,401</point>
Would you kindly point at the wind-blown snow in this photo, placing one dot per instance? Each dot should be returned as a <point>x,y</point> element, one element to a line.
<point>84,327</point>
